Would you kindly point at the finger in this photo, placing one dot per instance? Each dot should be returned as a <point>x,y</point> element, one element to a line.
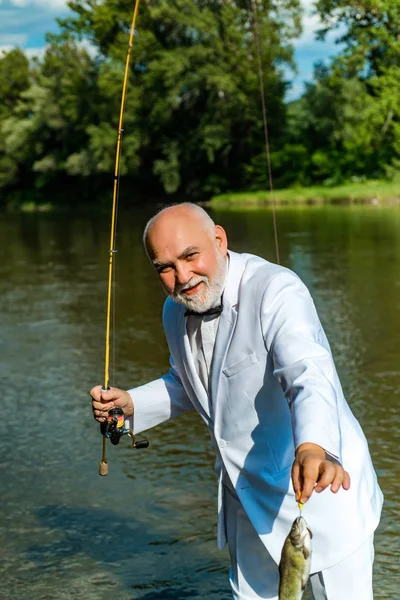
<point>310,477</point>
<point>100,419</point>
<point>297,484</point>
<point>341,477</point>
<point>102,406</point>
<point>100,415</point>
<point>327,475</point>
<point>346,481</point>
<point>110,394</point>
<point>95,392</point>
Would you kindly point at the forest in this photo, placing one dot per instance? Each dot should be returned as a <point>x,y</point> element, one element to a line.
<point>193,122</point>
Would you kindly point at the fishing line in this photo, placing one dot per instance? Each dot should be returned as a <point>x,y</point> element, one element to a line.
<point>256,33</point>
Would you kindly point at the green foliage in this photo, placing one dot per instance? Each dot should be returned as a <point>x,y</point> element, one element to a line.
<point>372,33</point>
<point>49,119</point>
<point>354,106</point>
<point>14,79</point>
<point>193,123</point>
<point>192,117</point>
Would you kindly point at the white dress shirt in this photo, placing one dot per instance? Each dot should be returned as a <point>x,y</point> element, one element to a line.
<point>202,332</point>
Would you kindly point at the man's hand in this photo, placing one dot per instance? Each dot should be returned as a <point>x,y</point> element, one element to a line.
<point>312,470</point>
<point>102,402</point>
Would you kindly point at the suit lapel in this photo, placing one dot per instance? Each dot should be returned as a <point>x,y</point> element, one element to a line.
<point>225,331</point>
<point>228,319</point>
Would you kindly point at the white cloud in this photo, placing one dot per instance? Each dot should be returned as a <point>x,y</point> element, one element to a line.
<point>13,39</point>
<point>29,52</point>
<point>90,48</point>
<point>32,20</point>
<point>308,50</point>
<point>35,52</point>
<point>311,24</point>
<point>4,49</point>
<point>40,52</point>
<point>295,91</point>
<point>53,5</point>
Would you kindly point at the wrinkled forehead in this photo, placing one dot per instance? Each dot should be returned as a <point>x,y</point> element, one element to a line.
<point>171,236</point>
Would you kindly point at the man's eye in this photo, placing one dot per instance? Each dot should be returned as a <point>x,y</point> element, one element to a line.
<point>161,270</point>
<point>192,255</point>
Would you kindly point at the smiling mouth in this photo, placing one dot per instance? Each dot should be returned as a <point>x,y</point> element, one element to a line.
<point>192,290</point>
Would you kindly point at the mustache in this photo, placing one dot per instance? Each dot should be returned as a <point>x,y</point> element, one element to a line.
<point>179,288</point>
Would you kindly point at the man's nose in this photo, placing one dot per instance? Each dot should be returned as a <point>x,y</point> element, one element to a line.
<point>182,274</point>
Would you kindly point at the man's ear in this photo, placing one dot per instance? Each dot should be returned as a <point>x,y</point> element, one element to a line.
<point>221,239</point>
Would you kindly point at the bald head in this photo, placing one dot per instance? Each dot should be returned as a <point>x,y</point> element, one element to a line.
<point>188,252</point>
<point>172,217</point>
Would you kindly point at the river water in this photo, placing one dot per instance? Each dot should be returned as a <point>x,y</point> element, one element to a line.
<point>147,531</point>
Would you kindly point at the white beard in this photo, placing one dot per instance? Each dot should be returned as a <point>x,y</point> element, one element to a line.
<point>209,294</point>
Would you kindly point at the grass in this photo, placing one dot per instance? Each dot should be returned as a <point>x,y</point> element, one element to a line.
<point>371,191</point>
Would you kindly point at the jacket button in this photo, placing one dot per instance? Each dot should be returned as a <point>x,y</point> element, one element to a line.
<point>221,443</point>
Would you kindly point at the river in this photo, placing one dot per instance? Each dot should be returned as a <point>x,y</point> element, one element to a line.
<point>147,531</point>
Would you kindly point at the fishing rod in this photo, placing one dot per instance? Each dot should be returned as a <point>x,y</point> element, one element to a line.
<point>115,425</point>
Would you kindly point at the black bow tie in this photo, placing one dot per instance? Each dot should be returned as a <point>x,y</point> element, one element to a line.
<point>216,310</point>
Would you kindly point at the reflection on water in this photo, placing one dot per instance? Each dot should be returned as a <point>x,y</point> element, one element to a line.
<point>147,531</point>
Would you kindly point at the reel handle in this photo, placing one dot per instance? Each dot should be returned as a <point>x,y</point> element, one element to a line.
<point>140,444</point>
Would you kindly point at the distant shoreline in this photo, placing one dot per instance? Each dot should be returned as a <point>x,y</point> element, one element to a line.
<point>368,192</point>
<point>374,192</point>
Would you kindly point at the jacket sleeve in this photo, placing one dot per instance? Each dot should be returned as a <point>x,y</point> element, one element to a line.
<point>302,360</point>
<point>158,401</point>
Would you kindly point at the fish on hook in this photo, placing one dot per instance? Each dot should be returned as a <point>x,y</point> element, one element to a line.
<point>295,563</point>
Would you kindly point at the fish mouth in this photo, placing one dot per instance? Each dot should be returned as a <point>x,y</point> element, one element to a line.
<point>302,528</point>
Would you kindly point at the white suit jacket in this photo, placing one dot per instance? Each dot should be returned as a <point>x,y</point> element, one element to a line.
<point>273,386</point>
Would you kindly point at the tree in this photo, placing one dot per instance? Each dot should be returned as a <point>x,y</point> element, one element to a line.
<point>45,134</point>
<point>14,79</point>
<point>372,57</point>
<point>193,118</point>
<point>371,33</point>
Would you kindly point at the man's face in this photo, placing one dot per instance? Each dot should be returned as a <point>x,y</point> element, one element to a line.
<point>190,259</point>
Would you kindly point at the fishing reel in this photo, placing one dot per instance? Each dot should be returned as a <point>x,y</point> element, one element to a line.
<point>115,427</point>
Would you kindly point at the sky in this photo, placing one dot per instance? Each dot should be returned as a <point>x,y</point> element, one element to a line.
<point>24,23</point>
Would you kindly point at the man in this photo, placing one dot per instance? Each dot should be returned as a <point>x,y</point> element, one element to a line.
<point>259,371</point>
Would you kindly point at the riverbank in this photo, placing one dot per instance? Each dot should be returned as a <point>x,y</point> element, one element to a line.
<point>368,192</point>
